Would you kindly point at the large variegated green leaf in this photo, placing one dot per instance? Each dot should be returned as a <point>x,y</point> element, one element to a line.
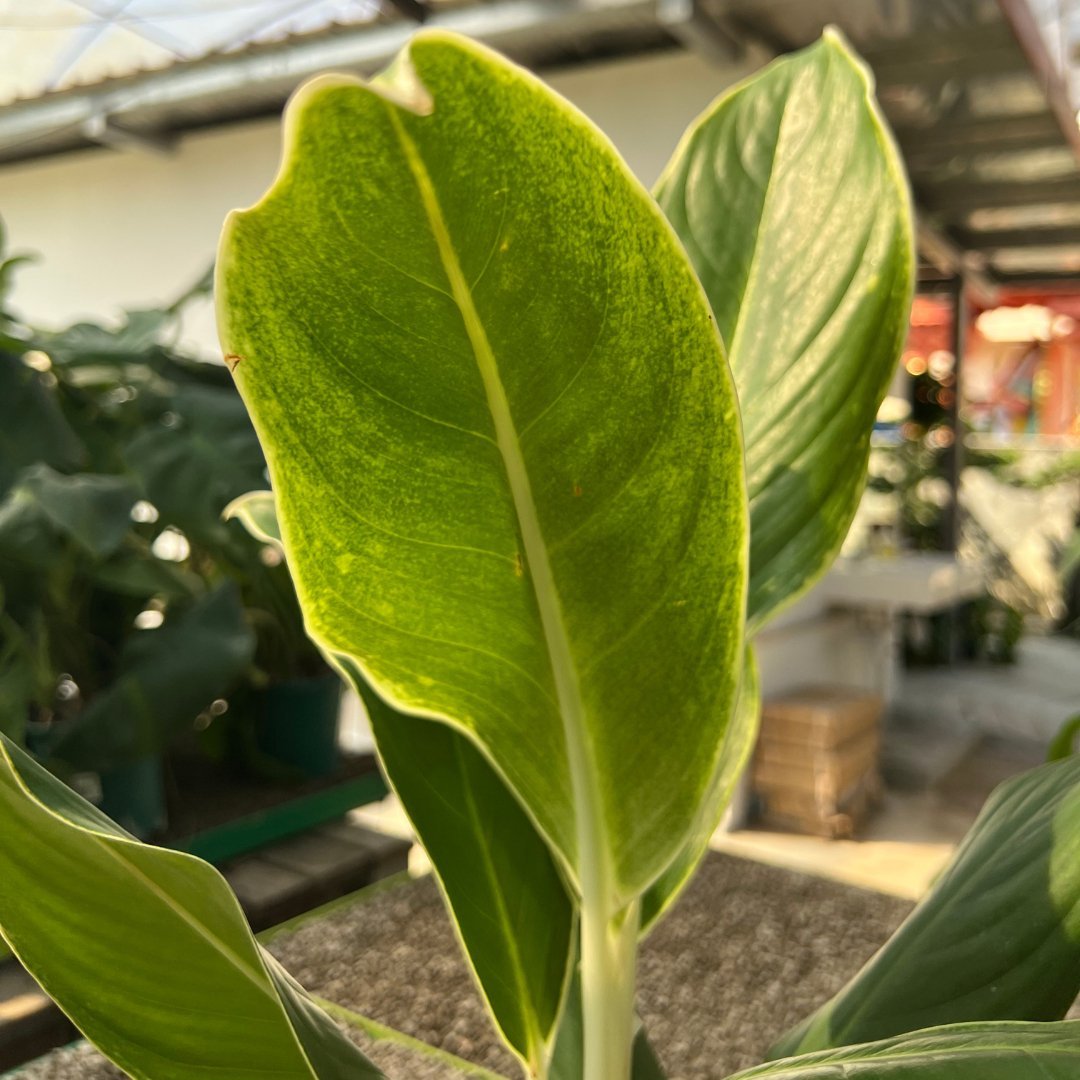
<point>997,938</point>
<point>503,441</point>
<point>146,949</point>
<point>1007,1051</point>
<point>790,199</point>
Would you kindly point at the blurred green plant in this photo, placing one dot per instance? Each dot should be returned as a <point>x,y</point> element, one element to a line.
<point>1067,741</point>
<point>1069,568</point>
<point>128,607</point>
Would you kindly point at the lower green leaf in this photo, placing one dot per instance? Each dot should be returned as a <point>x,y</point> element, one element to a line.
<point>504,891</point>
<point>146,949</point>
<point>1005,1051</point>
<point>997,938</point>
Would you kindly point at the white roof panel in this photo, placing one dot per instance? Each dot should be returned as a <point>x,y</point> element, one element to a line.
<point>55,44</point>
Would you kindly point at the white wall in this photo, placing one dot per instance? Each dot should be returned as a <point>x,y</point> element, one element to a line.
<point>120,229</point>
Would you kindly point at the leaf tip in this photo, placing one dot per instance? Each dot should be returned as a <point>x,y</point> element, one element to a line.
<point>832,37</point>
<point>400,84</point>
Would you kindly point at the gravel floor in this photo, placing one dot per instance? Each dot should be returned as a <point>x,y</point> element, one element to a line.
<point>748,951</point>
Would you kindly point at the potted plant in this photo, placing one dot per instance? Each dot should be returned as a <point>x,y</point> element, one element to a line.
<point>110,644</point>
<point>523,531</point>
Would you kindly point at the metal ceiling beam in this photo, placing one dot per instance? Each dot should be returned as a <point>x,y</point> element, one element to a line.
<point>961,196</point>
<point>416,10</point>
<point>101,130</point>
<point>946,255</point>
<point>926,148</point>
<point>997,239</point>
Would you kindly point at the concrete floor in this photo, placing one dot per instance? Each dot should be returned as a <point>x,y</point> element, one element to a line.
<point>902,849</point>
<point>1029,699</point>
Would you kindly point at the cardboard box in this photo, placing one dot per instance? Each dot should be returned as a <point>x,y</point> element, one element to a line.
<point>822,717</point>
<point>806,814</point>
<point>827,774</point>
<point>816,765</point>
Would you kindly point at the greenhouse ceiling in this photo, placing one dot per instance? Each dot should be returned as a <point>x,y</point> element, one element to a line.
<point>978,92</point>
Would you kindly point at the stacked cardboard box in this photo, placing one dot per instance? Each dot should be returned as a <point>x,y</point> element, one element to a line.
<point>816,765</point>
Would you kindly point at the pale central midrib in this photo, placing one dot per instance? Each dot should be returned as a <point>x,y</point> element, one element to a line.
<point>592,855</point>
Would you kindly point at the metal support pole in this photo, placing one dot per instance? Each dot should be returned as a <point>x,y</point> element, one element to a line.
<point>954,455</point>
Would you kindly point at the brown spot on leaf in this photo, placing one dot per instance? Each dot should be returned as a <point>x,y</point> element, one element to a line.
<point>577,491</point>
<point>233,361</point>
<point>519,565</point>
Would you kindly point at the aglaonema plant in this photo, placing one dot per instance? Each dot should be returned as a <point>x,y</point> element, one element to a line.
<point>546,452</point>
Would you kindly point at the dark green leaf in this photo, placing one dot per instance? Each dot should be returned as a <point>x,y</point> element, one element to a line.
<point>143,575</point>
<point>146,949</point>
<point>94,511</point>
<point>28,538</point>
<point>193,467</point>
<point>997,938</point>
<point>964,1052</point>
<point>32,426</point>
<point>89,344</point>
<point>790,199</point>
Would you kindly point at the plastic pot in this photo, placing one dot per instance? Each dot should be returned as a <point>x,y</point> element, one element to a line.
<point>134,796</point>
<point>296,723</point>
